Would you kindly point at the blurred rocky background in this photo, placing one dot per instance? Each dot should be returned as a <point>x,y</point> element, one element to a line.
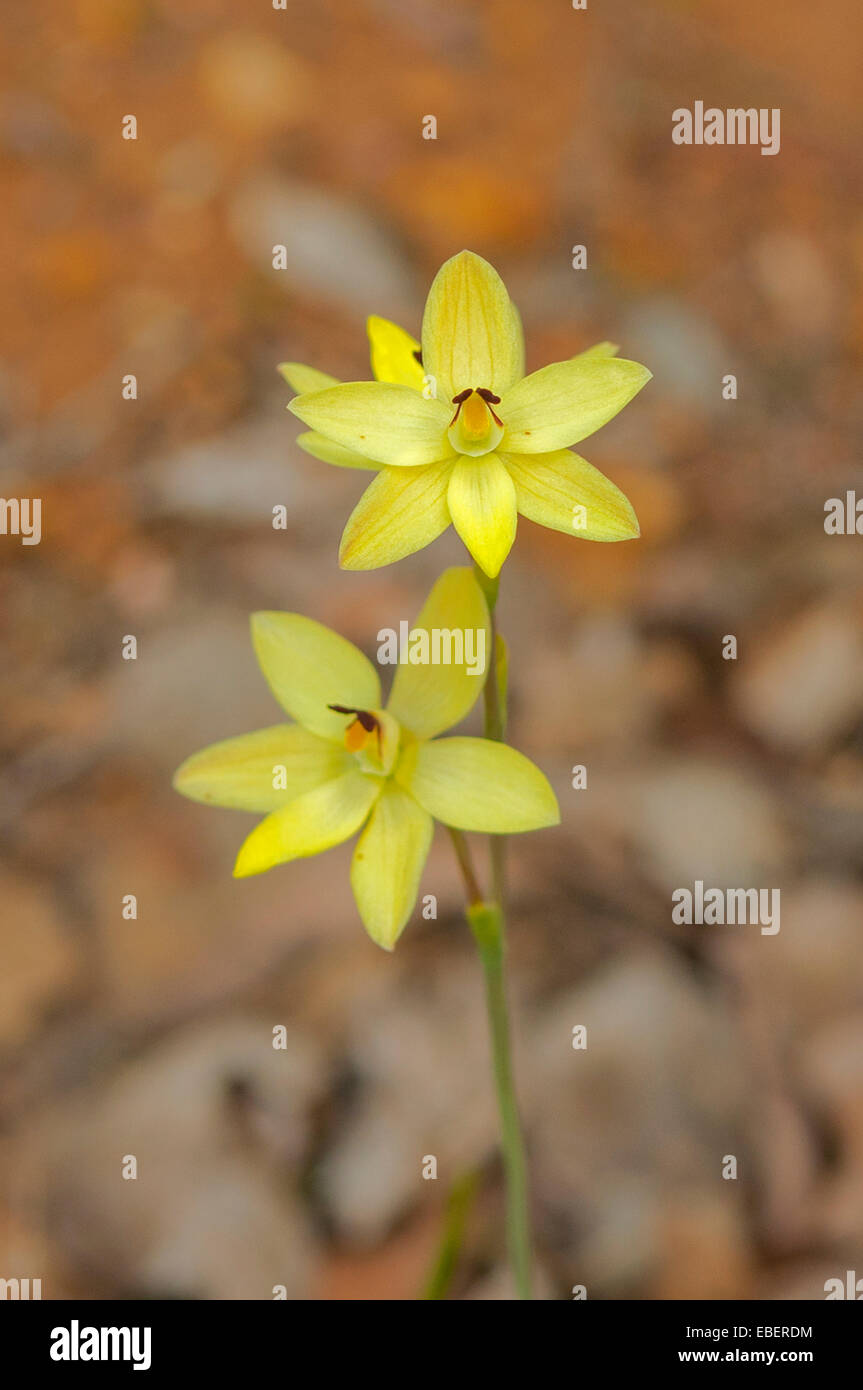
<point>302,126</point>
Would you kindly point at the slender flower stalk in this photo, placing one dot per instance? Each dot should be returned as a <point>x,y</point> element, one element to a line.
<point>459,1204</point>
<point>486,921</point>
<point>488,925</point>
<point>494,699</point>
<point>465,863</point>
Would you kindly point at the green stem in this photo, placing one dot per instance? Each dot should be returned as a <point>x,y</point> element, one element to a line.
<point>494,728</point>
<point>459,1204</point>
<point>465,863</point>
<point>486,923</point>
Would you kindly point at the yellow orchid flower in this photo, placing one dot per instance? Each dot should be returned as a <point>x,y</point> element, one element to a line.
<point>459,434</point>
<point>347,763</point>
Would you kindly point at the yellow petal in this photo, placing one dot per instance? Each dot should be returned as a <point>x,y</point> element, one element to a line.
<point>518,352</point>
<point>260,771</point>
<point>598,350</point>
<point>481,501</point>
<point>308,667</point>
<point>477,784</point>
<point>565,402</point>
<point>328,452</point>
<point>312,823</point>
<point>393,353</point>
<point>302,378</point>
<point>392,424</point>
<point>563,491</point>
<point>401,511</point>
<point>388,863</point>
<point>428,698</point>
<point>471,337</point>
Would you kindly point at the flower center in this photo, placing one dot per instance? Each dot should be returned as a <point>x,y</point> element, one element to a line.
<point>373,737</point>
<point>475,428</point>
<point>362,730</point>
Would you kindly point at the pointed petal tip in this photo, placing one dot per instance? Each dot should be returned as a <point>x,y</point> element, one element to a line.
<point>268,615</point>
<point>634,531</point>
<point>548,812</point>
<point>348,559</point>
<point>381,937</point>
<point>552,815</point>
<point>264,621</point>
<point>490,569</point>
<point>388,946</point>
<point>639,372</point>
<point>183,780</point>
<point>286,371</point>
<point>466,256</point>
<point>248,860</point>
<point>304,379</point>
<point>631,534</point>
<point>242,868</point>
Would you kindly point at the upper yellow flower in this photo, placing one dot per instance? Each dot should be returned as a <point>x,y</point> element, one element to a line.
<point>347,762</point>
<point>461,435</point>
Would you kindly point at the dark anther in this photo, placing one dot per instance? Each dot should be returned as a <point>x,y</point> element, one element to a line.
<point>490,399</point>
<point>366,719</point>
<point>418,354</point>
<point>459,400</point>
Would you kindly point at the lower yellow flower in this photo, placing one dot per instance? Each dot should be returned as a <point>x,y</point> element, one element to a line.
<point>349,764</point>
<point>458,434</point>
